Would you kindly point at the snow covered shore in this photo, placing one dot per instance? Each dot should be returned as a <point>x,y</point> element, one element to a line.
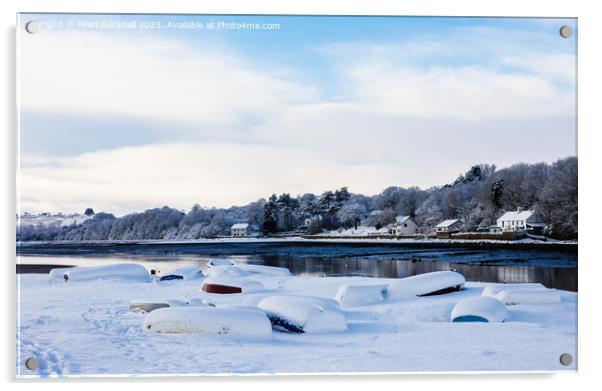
<point>84,328</point>
<point>329,238</point>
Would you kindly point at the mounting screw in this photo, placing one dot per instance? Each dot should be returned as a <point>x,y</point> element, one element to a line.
<point>566,359</point>
<point>32,27</point>
<point>32,363</point>
<point>566,31</point>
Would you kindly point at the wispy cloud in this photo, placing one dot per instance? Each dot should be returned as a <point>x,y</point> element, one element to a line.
<point>148,77</point>
<point>134,178</point>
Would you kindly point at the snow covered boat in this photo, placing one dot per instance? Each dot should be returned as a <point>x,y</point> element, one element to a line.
<point>224,285</point>
<point>493,290</point>
<point>170,277</point>
<point>265,270</point>
<point>358,295</point>
<point>118,271</point>
<point>195,302</point>
<point>427,284</point>
<point>479,309</point>
<point>226,271</point>
<point>220,262</point>
<point>247,270</point>
<point>57,275</point>
<point>514,294</point>
<point>246,322</point>
<point>300,314</point>
<point>252,299</point>
<point>182,273</point>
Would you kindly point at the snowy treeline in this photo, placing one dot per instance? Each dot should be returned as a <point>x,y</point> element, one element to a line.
<point>478,197</point>
<point>157,223</point>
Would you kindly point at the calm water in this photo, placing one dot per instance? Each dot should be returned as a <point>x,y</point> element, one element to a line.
<point>554,269</point>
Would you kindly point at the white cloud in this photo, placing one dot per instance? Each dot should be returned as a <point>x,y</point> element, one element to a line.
<point>469,93</point>
<point>148,77</point>
<point>134,178</point>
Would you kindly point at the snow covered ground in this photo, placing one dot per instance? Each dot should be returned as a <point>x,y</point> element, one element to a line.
<point>84,328</point>
<point>359,231</point>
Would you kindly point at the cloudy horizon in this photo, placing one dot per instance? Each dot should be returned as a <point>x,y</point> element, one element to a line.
<point>123,121</point>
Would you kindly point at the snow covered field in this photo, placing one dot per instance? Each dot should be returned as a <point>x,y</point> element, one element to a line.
<point>84,328</point>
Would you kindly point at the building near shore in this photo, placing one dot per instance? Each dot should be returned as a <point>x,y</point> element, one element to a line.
<point>521,220</point>
<point>450,226</point>
<point>241,230</point>
<point>404,226</point>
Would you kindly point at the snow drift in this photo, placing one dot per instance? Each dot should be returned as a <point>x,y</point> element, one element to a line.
<point>145,307</point>
<point>358,295</point>
<point>247,322</point>
<point>119,271</point>
<point>479,309</point>
<point>300,314</point>
<point>427,284</point>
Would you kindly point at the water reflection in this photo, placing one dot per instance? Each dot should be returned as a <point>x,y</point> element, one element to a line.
<point>560,278</point>
<point>565,279</point>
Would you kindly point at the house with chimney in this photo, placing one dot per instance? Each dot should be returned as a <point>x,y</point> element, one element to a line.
<point>521,220</point>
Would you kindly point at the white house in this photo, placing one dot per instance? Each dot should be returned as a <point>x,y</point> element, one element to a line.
<point>404,226</point>
<point>452,225</point>
<point>520,220</point>
<point>240,229</point>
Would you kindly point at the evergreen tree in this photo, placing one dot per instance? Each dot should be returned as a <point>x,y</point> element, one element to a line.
<point>342,195</point>
<point>496,193</point>
<point>326,201</point>
<point>270,220</point>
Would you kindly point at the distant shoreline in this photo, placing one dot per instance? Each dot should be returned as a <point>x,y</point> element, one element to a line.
<point>81,247</point>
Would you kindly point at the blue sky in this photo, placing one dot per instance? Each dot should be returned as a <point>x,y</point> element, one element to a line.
<point>366,99</point>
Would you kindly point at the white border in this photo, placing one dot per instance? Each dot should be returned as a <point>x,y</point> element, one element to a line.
<point>589,155</point>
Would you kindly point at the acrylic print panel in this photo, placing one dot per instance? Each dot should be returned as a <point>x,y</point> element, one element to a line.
<point>212,194</point>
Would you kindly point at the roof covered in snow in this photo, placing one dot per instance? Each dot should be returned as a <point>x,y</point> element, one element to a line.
<point>401,219</point>
<point>241,225</point>
<point>516,215</point>
<point>447,223</point>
